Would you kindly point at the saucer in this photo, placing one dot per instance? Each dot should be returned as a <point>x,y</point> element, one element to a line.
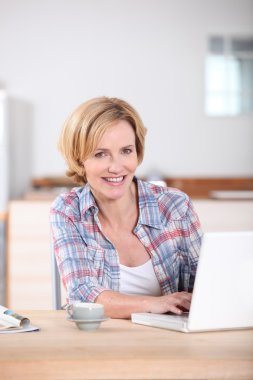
<point>70,319</point>
<point>88,324</point>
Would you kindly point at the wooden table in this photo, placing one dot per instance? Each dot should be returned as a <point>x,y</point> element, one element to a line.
<point>122,350</point>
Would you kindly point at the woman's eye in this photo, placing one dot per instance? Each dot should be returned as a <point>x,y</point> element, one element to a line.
<point>100,154</point>
<point>127,151</point>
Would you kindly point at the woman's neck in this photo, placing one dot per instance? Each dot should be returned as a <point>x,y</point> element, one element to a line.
<point>120,212</point>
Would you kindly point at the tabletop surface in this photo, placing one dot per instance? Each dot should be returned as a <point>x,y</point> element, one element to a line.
<point>122,350</point>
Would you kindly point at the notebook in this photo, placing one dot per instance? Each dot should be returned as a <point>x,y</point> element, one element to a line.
<point>223,291</point>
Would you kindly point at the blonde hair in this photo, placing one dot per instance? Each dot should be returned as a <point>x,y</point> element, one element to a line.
<point>86,125</point>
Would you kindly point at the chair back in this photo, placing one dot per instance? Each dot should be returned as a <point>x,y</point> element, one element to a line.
<point>56,281</point>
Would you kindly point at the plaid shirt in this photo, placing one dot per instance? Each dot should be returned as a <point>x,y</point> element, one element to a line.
<point>167,226</point>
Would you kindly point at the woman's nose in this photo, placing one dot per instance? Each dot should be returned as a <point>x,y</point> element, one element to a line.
<point>115,165</point>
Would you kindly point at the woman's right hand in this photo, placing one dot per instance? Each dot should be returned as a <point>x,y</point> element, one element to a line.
<point>174,303</point>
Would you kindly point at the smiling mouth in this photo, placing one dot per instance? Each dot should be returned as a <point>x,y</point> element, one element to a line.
<point>114,180</point>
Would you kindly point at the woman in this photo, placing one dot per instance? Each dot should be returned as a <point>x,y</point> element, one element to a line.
<point>119,241</point>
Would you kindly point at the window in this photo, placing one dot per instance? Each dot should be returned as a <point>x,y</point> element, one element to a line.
<point>229,76</point>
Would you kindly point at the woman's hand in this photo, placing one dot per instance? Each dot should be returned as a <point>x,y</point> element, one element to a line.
<point>174,303</point>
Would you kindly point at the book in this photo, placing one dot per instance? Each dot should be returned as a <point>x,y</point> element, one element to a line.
<point>11,322</point>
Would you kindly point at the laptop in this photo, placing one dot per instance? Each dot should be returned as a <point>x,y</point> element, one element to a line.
<point>223,291</point>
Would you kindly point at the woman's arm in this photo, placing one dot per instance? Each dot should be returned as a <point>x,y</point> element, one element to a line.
<point>191,244</point>
<point>76,267</point>
<point>118,305</point>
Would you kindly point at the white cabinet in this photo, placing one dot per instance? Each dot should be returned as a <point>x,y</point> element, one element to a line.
<point>225,215</point>
<point>29,260</point>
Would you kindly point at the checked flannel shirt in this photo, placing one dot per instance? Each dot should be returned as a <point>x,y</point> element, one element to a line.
<point>167,226</point>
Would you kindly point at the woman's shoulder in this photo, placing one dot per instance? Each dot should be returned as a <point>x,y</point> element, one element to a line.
<point>171,201</point>
<point>68,203</point>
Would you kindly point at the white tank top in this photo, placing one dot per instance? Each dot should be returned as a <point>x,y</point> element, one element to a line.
<point>139,280</point>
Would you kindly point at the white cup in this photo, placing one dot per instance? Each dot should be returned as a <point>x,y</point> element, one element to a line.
<point>86,311</point>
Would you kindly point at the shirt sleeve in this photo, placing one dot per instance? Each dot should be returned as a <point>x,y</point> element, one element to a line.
<point>76,268</point>
<point>191,243</point>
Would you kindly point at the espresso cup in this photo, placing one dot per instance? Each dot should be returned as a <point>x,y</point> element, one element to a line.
<point>86,311</point>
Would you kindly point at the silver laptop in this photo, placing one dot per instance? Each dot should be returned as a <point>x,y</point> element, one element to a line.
<point>223,292</point>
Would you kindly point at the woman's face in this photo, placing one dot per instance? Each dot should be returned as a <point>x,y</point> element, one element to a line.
<point>111,167</point>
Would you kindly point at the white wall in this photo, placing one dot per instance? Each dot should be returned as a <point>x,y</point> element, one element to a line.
<point>56,54</point>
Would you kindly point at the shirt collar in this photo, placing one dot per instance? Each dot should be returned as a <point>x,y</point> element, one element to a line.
<point>148,207</point>
<point>88,203</point>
